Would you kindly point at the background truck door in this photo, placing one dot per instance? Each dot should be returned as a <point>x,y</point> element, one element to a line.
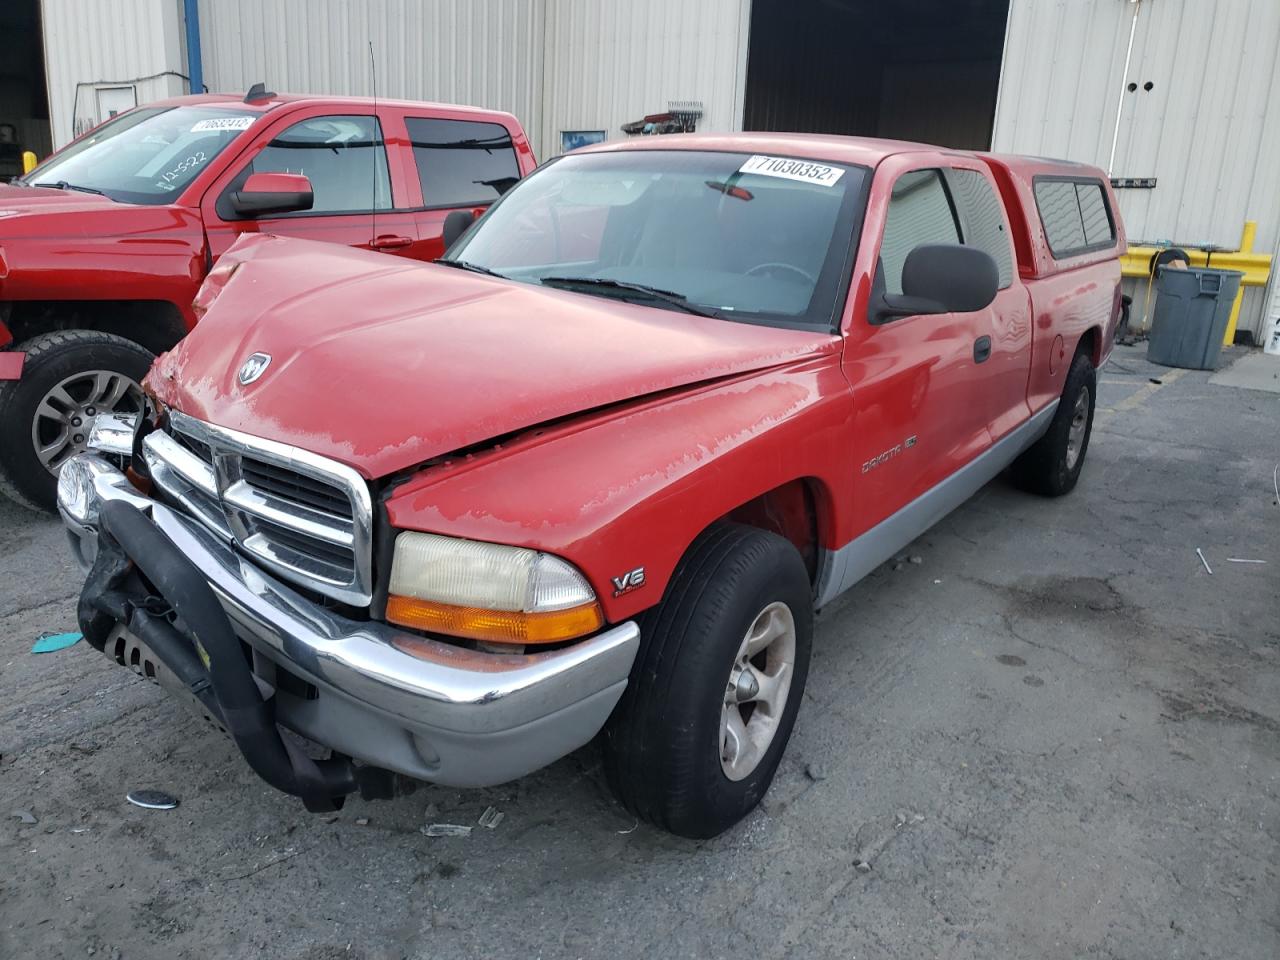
<point>919,411</point>
<point>458,164</point>
<point>345,158</point>
<point>1007,322</point>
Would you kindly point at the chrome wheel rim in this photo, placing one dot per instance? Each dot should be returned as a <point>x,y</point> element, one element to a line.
<point>60,427</point>
<point>757,690</point>
<point>1079,423</point>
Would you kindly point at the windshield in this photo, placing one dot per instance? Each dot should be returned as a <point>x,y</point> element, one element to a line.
<point>737,236</point>
<point>146,155</point>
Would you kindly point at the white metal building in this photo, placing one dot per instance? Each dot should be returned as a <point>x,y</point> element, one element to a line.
<point>1198,108</point>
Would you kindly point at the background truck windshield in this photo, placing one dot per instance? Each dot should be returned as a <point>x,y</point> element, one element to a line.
<point>144,156</point>
<point>744,237</point>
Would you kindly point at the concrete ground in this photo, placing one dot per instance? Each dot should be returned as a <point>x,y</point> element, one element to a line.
<point>1056,736</point>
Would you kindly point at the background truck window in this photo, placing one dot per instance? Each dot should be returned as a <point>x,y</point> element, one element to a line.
<point>343,157</point>
<point>1074,214</point>
<point>920,213</point>
<point>462,163</point>
<point>984,220</point>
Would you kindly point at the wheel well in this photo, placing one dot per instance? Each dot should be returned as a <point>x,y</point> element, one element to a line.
<point>1091,342</point>
<point>792,511</point>
<point>154,324</point>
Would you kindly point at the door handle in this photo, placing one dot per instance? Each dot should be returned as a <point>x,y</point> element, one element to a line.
<point>389,241</point>
<point>981,349</point>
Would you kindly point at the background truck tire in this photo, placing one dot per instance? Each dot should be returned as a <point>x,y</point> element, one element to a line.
<point>69,360</point>
<point>664,745</point>
<point>1052,466</point>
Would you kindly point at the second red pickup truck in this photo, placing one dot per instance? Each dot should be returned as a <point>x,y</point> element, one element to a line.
<point>103,246</point>
<point>595,469</point>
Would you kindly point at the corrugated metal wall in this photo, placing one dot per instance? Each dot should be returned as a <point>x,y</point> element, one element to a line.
<point>613,61</point>
<point>1208,129</point>
<point>107,43</point>
<point>486,53</point>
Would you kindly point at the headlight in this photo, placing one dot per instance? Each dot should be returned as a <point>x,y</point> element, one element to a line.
<point>488,591</point>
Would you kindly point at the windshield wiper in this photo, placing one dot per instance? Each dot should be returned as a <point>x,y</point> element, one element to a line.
<point>677,300</point>
<point>473,267</point>
<point>63,185</point>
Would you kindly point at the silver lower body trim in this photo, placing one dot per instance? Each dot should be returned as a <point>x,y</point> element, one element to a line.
<point>842,568</point>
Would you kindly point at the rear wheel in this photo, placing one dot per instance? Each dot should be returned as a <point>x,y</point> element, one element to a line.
<point>702,726</point>
<point>1052,466</point>
<point>68,378</point>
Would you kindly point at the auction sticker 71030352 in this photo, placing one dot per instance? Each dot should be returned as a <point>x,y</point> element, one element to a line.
<point>803,170</point>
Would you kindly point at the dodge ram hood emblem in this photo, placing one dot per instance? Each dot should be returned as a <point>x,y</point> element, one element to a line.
<point>254,367</point>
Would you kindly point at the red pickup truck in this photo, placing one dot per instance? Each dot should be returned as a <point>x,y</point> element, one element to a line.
<point>595,469</point>
<point>103,246</point>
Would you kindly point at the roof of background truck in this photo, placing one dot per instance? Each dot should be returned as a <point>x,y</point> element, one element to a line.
<point>281,99</point>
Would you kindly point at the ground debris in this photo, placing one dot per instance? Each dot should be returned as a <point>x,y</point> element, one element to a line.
<point>25,816</point>
<point>815,772</point>
<point>446,830</point>
<point>491,817</point>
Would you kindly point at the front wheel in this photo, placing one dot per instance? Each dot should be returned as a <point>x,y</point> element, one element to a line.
<point>701,728</point>
<point>68,378</point>
<point>1051,467</point>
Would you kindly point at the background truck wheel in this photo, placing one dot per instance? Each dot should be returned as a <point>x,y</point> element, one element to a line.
<point>1052,466</point>
<point>695,741</point>
<point>68,378</point>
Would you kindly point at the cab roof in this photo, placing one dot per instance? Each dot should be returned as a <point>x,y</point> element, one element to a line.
<point>274,100</point>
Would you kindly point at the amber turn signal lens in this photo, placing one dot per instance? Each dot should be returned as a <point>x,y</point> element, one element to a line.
<point>497,626</point>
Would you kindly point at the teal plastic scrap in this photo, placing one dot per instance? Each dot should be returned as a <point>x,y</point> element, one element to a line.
<point>49,642</point>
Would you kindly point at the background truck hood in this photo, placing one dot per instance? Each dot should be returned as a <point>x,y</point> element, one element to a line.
<point>383,364</point>
<point>69,215</point>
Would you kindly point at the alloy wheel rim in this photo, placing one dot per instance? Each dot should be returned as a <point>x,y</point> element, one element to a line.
<point>60,427</point>
<point>1079,423</point>
<point>756,691</point>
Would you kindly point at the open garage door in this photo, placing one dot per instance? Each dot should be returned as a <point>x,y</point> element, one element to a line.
<point>24,107</point>
<point>924,70</point>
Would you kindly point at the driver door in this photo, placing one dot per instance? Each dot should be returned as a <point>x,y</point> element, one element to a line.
<point>345,158</point>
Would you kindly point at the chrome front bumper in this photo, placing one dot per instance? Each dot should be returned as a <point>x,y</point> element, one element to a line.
<point>441,713</point>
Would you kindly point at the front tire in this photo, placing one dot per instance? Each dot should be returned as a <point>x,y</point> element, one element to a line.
<point>1051,467</point>
<point>68,378</point>
<point>701,728</point>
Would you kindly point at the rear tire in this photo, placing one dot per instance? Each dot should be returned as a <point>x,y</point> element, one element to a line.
<point>1051,467</point>
<point>65,375</point>
<point>730,636</point>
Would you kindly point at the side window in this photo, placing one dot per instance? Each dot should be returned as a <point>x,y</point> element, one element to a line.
<point>984,220</point>
<point>919,213</point>
<point>1093,210</point>
<point>1074,214</point>
<point>343,157</point>
<point>462,163</point>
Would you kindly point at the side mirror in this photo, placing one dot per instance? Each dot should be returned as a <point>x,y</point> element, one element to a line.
<point>942,278</point>
<point>455,225</point>
<point>264,194</point>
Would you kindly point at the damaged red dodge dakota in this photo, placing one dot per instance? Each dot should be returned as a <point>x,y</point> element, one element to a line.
<point>595,469</point>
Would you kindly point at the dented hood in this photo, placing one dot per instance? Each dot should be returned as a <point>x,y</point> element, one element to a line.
<point>383,363</point>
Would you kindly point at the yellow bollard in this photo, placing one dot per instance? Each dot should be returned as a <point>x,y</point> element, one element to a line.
<point>1246,246</point>
<point>29,161</point>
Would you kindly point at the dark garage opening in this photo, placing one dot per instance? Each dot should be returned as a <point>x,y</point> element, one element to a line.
<point>925,70</point>
<point>24,104</point>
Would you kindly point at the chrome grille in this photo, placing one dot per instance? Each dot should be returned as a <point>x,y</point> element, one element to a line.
<point>305,517</point>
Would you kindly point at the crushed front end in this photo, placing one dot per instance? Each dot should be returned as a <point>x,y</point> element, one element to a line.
<point>242,574</point>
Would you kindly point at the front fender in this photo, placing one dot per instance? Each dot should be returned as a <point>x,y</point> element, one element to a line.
<point>633,487</point>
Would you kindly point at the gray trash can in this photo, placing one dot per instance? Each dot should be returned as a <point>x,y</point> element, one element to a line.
<point>1192,310</point>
